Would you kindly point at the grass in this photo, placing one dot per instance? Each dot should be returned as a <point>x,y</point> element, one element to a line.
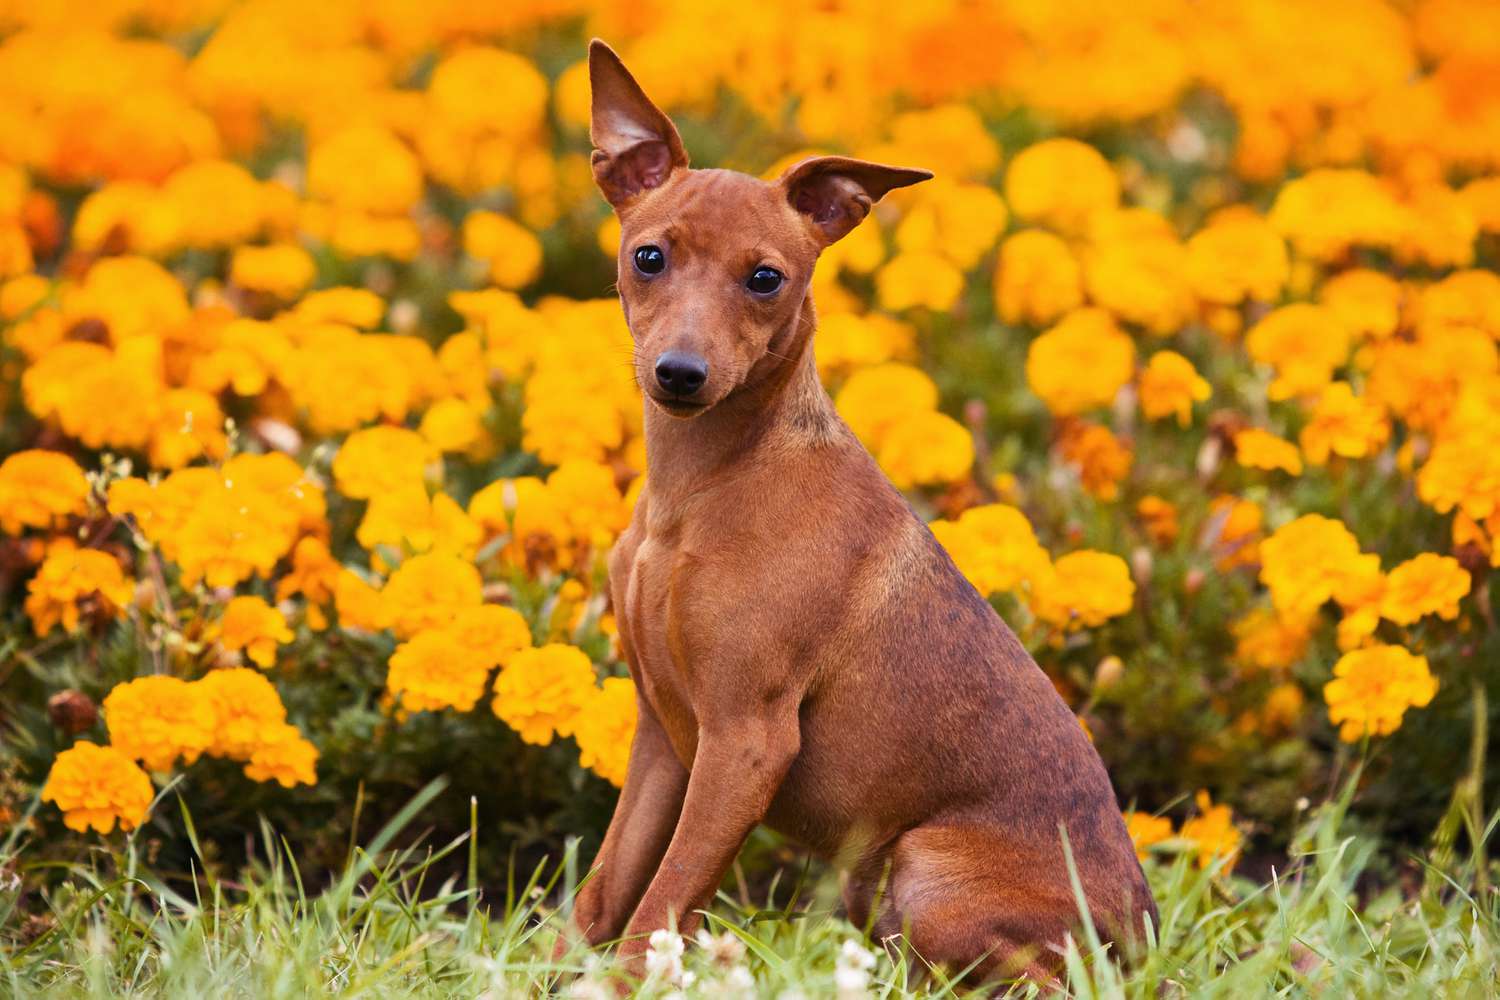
<point>112,927</point>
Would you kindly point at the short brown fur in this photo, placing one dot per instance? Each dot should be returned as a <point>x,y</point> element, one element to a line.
<point>806,654</point>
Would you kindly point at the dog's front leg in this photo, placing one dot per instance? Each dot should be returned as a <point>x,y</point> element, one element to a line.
<point>739,765</point>
<point>639,831</point>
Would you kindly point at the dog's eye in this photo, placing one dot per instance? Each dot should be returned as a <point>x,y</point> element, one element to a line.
<point>649,259</point>
<point>764,281</point>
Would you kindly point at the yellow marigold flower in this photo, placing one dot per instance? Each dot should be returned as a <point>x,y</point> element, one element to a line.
<point>1269,640</point>
<point>1440,230</point>
<point>359,605</point>
<point>283,270</point>
<point>541,692</point>
<point>588,501</point>
<point>1304,343</point>
<point>564,420</point>
<point>358,307</point>
<point>1373,687</point>
<point>314,575</point>
<point>364,168</point>
<point>379,460</point>
<point>1325,212</point>
<point>452,425</point>
<point>68,579</point>
<point>1159,518</point>
<point>1359,592</point>
<point>849,341</point>
<point>247,709</point>
<point>605,728</point>
<point>512,252</point>
<point>132,296</point>
<point>1170,385</point>
<point>1146,830</point>
<point>1213,833</point>
<point>252,625</point>
<point>158,719</point>
<point>875,399</point>
<point>1084,590</point>
<point>190,425</point>
<point>1482,196</point>
<point>102,398</point>
<point>436,669</point>
<point>1060,183</point>
<point>1237,256</point>
<point>1367,302</point>
<point>285,757</point>
<point>952,134</point>
<point>1427,584</point>
<point>492,631</point>
<point>955,220</point>
<point>1258,449</point>
<point>40,489</point>
<point>1464,298</point>
<point>1080,363</point>
<point>1102,459</point>
<point>926,448</point>
<point>1140,276</point>
<point>1037,280</point>
<point>1463,470</point>
<point>1304,561</point>
<point>216,203</point>
<point>95,787</point>
<point>994,547</point>
<point>918,278</point>
<point>1421,380</point>
<point>429,590</point>
<point>1344,424</point>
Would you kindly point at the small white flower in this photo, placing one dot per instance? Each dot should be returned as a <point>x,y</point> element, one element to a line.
<point>724,949</point>
<point>664,957</point>
<point>850,982</point>
<point>791,993</point>
<point>739,978</point>
<point>856,956</point>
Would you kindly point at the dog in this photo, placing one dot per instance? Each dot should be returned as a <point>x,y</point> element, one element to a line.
<point>806,654</point>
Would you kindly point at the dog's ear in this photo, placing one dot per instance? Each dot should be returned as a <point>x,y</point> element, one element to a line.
<point>636,147</point>
<point>836,192</point>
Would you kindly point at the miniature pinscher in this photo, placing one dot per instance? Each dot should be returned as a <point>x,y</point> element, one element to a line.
<point>806,654</point>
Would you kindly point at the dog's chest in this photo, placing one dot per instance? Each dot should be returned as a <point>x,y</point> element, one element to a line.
<point>649,620</point>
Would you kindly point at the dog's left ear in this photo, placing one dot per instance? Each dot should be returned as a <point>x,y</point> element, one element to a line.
<point>636,146</point>
<point>836,192</point>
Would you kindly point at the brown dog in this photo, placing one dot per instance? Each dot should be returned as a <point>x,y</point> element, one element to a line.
<point>806,654</point>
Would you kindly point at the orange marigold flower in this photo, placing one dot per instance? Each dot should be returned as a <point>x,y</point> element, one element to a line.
<point>314,575</point>
<point>436,669</point>
<point>1258,449</point>
<point>1080,363</point>
<point>40,489</point>
<point>247,708</point>
<point>1159,517</point>
<point>494,632</point>
<point>877,398</point>
<point>926,448</point>
<point>70,577</point>
<point>1103,460</point>
<point>96,787</point>
<point>1344,424</point>
<point>1213,833</point>
<point>1237,256</point>
<point>158,719</point>
<point>1146,830</point>
<point>252,625</point>
<point>1169,386</point>
<point>1060,183</point>
<point>1037,279</point>
<point>994,547</point>
<point>1427,584</point>
<point>1304,343</point>
<point>282,271</point>
<point>541,692</point>
<point>1304,561</point>
<point>1233,531</point>
<point>1372,689</point>
<point>1267,640</point>
<point>285,757</point>
<point>429,590</point>
<point>378,460</point>
<point>605,728</point>
<point>1084,590</point>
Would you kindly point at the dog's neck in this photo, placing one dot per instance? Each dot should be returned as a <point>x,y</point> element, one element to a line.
<point>782,405</point>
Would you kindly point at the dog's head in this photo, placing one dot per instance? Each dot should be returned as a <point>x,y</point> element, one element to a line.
<point>714,265</point>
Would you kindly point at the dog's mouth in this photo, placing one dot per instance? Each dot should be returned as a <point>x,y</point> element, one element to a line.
<point>678,407</point>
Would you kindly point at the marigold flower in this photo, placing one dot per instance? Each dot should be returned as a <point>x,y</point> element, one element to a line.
<point>541,692</point>
<point>1464,298</point>
<point>1139,274</point>
<point>429,590</point>
<point>1326,211</point>
<point>1237,256</point>
<point>1258,449</point>
<point>1304,561</point>
<point>1060,183</point>
<point>40,489</point>
<point>1080,363</point>
<point>955,220</point>
<point>68,579</point>
<point>1102,459</point>
<point>994,547</point>
<point>95,787</point>
<point>1427,584</point>
<point>492,631</point>
<point>924,448</point>
<point>1344,424</point>
<point>314,575</point>
<point>1372,689</point>
<point>1159,518</point>
<point>514,255</point>
<point>285,757</point>
<point>452,425</point>
<point>1304,343</point>
<point>157,719</point>
<point>1213,833</point>
<point>875,399</point>
<point>282,271</point>
<point>1084,590</point>
<point>918,279</point>
<point>364,168</point>
<point>359,604</point>
<point>435,669</point>
<point>1266,639</point>
<point>605,729</point>
<point>1037,280</point>
<point>252,625</point>
<point>1367,302</point>
<point>1146,830</point>
<point>247,709</point>
<point>1359,592</point>
<point>848,342</point>
<point>1233,531</point>
<point>1170,385</point>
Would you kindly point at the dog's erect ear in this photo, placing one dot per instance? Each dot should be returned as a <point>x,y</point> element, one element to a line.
<point>836,192</point>
<point>636,147</point>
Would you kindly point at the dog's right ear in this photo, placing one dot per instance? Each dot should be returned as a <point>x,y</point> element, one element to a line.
<point>636,147</point>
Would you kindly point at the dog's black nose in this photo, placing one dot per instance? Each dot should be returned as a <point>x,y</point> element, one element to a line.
<point>681,373</point>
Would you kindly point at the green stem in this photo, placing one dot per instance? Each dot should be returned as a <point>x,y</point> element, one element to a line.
<point>1477,746</point>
